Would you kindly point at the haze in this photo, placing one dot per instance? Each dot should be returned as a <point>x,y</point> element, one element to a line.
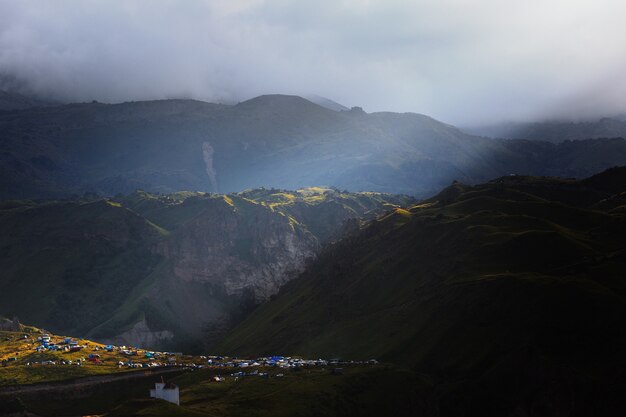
<point>464,62</point>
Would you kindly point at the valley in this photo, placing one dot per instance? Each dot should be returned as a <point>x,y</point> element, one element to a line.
<point>260,208</point>
<point>165,271</point>
<point>478,290</point>
<point>475,301</point>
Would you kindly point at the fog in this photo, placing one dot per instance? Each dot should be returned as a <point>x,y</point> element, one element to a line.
<point>464,62</point>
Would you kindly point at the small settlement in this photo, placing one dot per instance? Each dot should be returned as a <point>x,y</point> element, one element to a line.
<point>133,357</point>
<point>36,348</point>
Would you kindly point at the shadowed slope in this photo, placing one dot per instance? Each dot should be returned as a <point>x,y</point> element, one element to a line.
<point>494,286</point>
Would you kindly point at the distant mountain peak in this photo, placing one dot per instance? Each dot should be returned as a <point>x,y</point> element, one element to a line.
<point>272,99</point>
<point>281,103</point>
<point>326,102</point>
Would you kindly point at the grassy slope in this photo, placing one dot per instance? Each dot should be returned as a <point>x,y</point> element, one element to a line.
<point>85,267</point>
<point>12,344</point>
<point>322,211</point>
<point>360,391</point>
<point>494,284</point>
<point>67,264</point>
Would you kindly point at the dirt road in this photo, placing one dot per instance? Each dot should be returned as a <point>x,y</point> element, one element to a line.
<point>80,384</point>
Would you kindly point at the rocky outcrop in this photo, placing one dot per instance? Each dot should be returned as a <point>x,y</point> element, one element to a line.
<point>141,335</point>
<point>7,325</point>
<point>231,256</point>
<point>223,246</point>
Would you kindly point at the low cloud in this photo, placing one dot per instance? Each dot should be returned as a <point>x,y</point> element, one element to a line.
<point>465,62</point>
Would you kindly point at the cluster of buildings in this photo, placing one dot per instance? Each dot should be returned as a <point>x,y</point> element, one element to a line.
<point>136,358</point>
<point>281,362</point>
<point>67,345</point>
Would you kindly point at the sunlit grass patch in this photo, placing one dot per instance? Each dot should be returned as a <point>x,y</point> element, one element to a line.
<point>229,201</point>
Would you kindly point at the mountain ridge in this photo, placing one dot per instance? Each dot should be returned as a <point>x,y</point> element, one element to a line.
<point>274,140</point>
<point>555,131</point>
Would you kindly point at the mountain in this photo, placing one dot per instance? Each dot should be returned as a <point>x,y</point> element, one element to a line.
<point>326,102</point>
<point>165,270</point>
<point>555,131</point>
<point>509,295</point>
<point>269,141</point>
<point>15,101</point>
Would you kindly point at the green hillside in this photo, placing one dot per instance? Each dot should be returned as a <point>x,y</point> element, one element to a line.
<point>66,265</point>
<point>358,392</point>
<point>162,270</point>
<point>500,292</point>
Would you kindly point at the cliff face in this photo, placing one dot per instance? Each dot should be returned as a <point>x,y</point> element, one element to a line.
<point>141,335</point>
<point>231,256</point>
<point>226,254</point>
<point>10,325</point>
<point>239,247</point>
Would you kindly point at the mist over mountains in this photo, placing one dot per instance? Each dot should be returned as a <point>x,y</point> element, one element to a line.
<point>555,131</point>
<point>357,208</point>
<point>16,101</point>
<point>301,227</point>
<point>462,62</point>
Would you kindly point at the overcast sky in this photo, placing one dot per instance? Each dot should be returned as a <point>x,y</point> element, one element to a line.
<point>463,62</point>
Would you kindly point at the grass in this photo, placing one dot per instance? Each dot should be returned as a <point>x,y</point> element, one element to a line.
<point>24,370</point>
<point>359,391</point>
<point>462,287</point>
<point>87,266</point>
<point>13,345</point>
<point>130,311</point>
<point>229,201</point>
<point>74,261</point>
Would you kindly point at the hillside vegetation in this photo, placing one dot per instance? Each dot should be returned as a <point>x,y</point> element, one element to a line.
<point>510,294</point>
<point>165,270</point>
<point>22,363</point>
<point>358,392</point>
